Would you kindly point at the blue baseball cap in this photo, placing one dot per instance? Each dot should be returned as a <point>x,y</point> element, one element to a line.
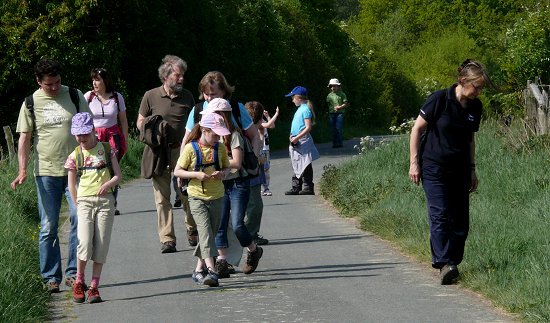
<point>299,90</point>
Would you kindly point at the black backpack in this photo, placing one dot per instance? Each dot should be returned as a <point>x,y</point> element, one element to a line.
<point>29,103</point>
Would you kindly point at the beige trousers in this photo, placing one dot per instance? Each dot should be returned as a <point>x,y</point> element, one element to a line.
<point>162,190</point>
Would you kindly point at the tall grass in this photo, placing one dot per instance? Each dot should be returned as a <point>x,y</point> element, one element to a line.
<point>22,296</point>
<point>507,255</point>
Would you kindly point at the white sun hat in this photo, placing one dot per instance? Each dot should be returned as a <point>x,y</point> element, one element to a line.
<point>333,82</point>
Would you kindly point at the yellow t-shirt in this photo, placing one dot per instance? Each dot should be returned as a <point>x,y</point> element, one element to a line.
<point>213,188</point>
<point>91,179</point>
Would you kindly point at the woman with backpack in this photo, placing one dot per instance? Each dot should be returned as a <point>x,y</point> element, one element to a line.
<point>109,112</point>
<point>442,156</point>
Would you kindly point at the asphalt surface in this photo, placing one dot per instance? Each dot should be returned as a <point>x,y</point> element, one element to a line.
<point>318,267</point>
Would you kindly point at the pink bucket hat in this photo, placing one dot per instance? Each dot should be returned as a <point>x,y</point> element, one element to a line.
<point>215,122</point>
<point>217,104</point>
<point>82,124</point>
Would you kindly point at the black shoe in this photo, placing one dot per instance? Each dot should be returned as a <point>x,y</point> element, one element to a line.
<point>117,212</point>
<point>222,268</point>
<point>261,240</point>
<point>252,260</point>
<point>230,269</point>
<point>192,237</point>
<point>292,192</point>
<point>306,192</point>
<point>448,274</point>
<point>177,203</point>
<point>168,247</point>
<point>211,279</point>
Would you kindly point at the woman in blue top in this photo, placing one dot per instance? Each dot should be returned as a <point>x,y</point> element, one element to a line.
<point>302,148</point>
<point>445,162</point>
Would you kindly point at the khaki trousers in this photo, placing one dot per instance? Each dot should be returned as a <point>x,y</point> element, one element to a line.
<point>162,190</point>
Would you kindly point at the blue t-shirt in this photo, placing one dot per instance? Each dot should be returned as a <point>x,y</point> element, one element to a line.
<point>298,122</point>
<point>246,119</point>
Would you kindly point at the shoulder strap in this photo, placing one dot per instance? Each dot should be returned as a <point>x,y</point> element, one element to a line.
<point>198,155</point>
<point>197,112</point>
<point>74,97</point>
<point>91,97</point>
<point>236,111</point>
<point>115,97</point>
<point>79,161</point>
<point>29,103</point>
<point>107,148</point>
<point>216,159</point>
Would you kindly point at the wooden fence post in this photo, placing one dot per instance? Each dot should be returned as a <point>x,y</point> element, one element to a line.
<point>9,142</point>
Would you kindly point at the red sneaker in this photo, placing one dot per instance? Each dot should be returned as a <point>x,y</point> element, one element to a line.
<point>78,292</point>
<point>93,295</point>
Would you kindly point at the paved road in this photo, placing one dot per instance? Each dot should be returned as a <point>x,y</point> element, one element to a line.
<point>318,268</point>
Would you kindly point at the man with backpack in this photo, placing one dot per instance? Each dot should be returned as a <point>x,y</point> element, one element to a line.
<point>45,116</point>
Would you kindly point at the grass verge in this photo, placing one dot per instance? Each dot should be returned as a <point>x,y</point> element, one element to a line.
<point>507,251</point>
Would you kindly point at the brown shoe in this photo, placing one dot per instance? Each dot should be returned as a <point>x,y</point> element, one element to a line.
<point>52,287</point>
<point>168,247</point>
<point>192,237</point>
<point>252,260</point>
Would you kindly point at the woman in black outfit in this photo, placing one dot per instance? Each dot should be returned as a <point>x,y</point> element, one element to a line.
<point>445,162</point>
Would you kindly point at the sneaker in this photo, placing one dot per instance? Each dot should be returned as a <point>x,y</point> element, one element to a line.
<point>230,269</point>
<point>292,192</point>
<point>448,274</point>
<point>222,268</point>
<point>198,276</point>
<point>168,247</point>
<point>192,237</point>
<point>177,203</point>
<point>211,279</point>
<point>252,260</point>
<point>261,240</point>
<point>306,192</point>
<point>52,287</point>
<point>79,290</point>
<point>93,295</point>
<point>267,193</point>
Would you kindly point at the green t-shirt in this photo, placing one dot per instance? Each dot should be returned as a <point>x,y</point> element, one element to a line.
<point>213,189</point>
<point>53,141</point>
<point>336,98</point>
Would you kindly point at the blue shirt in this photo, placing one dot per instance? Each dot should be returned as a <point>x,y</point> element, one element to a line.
<point>298,122</point>
<point>246,120</point>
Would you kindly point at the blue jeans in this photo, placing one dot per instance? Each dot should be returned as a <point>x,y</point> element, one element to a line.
<point>337,127</point>
<point>235,202</point>
<point>50,190</point>
<point>448,211</point>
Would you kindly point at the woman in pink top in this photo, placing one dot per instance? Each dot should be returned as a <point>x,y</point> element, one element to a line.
<point>109,112</point>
